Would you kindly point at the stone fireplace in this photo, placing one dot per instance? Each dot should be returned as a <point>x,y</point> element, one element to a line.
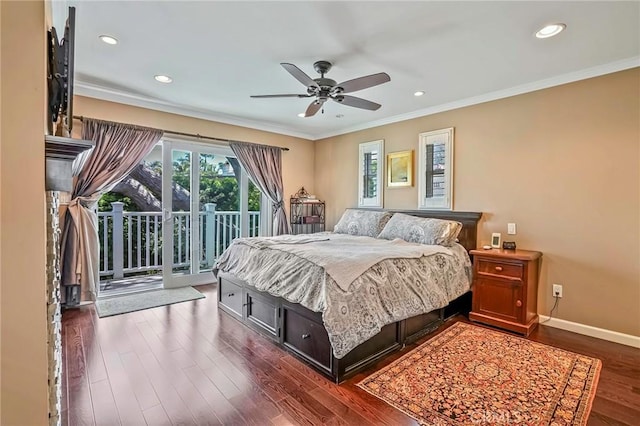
<point>60,153</point>
<point>54,315</point>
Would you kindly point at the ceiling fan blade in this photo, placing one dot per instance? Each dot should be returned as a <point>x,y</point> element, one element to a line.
<point>313,108</point>
<point>352,101</point>
<point>362,83</point>
<point>299,75</point>
<point>281,96</point>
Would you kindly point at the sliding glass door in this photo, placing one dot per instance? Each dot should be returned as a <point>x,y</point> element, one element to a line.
<point>207,202</point>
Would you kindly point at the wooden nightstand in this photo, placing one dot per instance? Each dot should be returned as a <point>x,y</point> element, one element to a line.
<point>505,289</point>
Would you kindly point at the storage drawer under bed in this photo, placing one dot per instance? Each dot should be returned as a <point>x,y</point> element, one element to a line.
<point>263,313</point>
<point>307,337</point>
<point>230,297</point>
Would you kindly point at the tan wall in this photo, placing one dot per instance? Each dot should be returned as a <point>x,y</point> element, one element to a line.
<point>562,163</point>
<point>22,219</point>
<point>297,163</point>
<point>0,211</point>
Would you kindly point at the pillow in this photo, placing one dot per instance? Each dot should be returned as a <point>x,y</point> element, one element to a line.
<point>421,230</point>
<point>362,222</point>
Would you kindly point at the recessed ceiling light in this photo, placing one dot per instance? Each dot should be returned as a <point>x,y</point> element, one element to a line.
<point>550,30</point>
<point>418,93</point>
<point>302,115</point>
<point>108,39</point>
<point>163,78</point>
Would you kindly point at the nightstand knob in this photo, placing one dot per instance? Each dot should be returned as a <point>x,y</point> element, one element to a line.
<point>498,268</point>
<point>519,303</point>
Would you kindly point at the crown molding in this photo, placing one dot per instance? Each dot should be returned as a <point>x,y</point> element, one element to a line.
<point>584,74</point>
<point>105,93</point>
<point>100,92</point>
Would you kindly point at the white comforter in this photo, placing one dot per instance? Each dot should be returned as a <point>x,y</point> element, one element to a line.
<point>359,284</point>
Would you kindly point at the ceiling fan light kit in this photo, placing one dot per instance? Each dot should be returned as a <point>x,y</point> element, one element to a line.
<point>324,88</point>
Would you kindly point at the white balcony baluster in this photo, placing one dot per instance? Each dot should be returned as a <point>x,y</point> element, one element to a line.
<point>118,233</point>
<point>210,234</point>
<point>143,251</point>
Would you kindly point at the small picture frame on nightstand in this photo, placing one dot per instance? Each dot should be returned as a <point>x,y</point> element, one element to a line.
<point>496,237</point>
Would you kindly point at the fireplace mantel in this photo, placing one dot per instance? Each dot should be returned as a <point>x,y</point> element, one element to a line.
<point>60,153</point>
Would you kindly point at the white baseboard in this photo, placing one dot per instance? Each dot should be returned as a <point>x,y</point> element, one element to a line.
<point>587,330</point>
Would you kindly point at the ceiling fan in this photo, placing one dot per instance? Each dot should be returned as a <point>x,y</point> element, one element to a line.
<point>324,89</point>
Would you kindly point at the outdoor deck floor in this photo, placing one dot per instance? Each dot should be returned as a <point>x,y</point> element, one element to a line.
<point>130,284</point>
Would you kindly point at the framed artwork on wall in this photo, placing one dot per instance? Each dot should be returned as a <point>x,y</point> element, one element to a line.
<point>435,169</point>
<point>400,169</point>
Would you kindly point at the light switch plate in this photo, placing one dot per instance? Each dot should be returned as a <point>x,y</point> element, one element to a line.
<point>511,228</point>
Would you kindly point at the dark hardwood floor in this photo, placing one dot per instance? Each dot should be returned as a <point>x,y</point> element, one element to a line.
<point>189,363</point>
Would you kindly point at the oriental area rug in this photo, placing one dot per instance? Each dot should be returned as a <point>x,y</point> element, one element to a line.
<point>473,375</point>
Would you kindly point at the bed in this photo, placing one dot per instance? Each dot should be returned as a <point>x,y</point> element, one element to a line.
<point>332,315</point>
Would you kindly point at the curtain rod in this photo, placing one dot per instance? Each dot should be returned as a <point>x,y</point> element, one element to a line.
<point>198,136</point>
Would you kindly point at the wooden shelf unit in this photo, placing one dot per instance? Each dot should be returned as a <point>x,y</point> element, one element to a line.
<point>307,216</point>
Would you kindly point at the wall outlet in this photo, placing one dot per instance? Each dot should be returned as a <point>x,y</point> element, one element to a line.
<point>557,290</point>
<point>511,228</point>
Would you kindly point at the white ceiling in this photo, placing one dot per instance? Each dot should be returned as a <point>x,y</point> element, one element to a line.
<point>220,53</point>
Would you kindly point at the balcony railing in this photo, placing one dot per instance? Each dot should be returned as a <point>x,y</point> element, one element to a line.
<point>131,242</point>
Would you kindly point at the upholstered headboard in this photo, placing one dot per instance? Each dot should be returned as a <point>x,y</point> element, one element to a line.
<point>469,234</point>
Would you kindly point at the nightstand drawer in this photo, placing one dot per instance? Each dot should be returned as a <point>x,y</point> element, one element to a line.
<point>494,267</point>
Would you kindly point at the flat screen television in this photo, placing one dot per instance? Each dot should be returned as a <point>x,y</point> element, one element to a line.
<point>60,77</point>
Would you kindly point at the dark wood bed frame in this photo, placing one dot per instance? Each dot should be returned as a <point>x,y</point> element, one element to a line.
<point>301,331</point>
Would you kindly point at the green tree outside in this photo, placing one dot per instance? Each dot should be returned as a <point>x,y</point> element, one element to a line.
<point>214,187</point>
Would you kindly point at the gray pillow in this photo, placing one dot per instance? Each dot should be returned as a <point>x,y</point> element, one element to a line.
<point>421,230</point>
<point>362,222</point>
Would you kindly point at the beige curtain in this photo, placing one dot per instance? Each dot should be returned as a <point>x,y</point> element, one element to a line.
<point>264,165</point>
<point>118,149</point>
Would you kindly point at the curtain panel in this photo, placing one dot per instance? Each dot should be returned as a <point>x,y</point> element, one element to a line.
<point>118,149</point>
<point>264,166</point>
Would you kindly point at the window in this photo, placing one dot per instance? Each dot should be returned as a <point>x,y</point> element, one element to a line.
<point>435,179</point>
<point>370,169</point>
